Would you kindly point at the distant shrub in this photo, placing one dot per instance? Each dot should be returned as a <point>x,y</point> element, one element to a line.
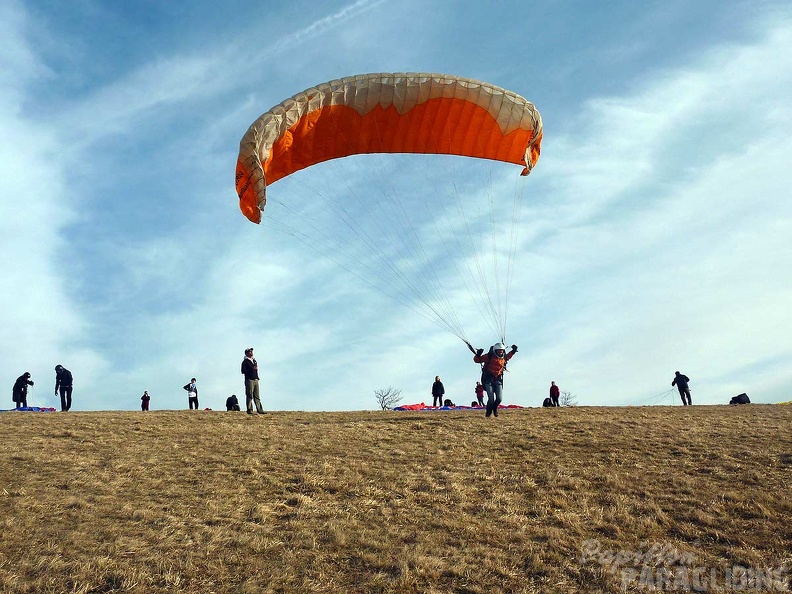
<point>387,397</point>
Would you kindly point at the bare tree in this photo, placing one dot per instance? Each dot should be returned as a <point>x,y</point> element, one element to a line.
<point>387,397</point>
<point>567,398</point>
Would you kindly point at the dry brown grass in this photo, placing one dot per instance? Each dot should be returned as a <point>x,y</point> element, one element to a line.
<point>385,501</point>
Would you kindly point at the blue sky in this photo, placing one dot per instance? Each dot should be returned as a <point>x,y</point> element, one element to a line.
<point>654,232</point>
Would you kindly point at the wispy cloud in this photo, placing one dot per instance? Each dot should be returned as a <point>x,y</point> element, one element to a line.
<point>671,217</point>
<point>189,78</point>
<point>321,26</point>
<point>36,315</point>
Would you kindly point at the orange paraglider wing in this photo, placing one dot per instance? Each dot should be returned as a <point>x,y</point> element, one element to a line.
<point>385,113</point>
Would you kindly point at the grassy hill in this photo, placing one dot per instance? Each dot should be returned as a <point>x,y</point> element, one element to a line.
<point>537,500</point>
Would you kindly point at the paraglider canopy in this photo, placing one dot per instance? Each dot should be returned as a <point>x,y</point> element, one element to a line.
<point>402,239</point>
<point>385,113</point>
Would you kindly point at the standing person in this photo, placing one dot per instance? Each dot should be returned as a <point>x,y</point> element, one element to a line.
<point>192,394</point>
<point>437,392</point>
<point>681,382</point>
<point>144,401</point>
<point>250,371</point>
<point>554,394</point>
<point>20,389</point>
<point>63,380</point>
<point>492,367</point>
<point>232,403</point>
<point>480,393</point>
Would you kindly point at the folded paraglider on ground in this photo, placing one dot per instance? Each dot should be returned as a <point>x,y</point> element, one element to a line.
<point>423,407</point>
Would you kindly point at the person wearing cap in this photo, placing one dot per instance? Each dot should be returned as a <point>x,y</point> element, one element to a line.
<point>492,366</point>
<point>63,381</point>
<point>250,371</point>
<point>20,390</point>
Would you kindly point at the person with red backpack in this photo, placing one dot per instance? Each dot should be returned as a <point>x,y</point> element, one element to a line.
<point>479,393</point>
<point>555,392</point>
<point>493,364</point>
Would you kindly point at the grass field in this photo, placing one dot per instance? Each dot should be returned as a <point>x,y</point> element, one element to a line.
<point>538,500</point>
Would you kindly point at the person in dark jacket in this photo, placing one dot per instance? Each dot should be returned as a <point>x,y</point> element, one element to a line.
<point>555,392</point>
<point>437,392</point>
<point>144,401</point>
<point>250,370</point>
<point>681,382</point>
<point>192,393</point>
<point>232,403</point>
<point>63,381</point>
<point>20,390</point>
<point>493,365</point>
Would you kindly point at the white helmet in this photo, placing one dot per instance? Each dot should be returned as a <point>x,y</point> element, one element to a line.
<point>498,346</point>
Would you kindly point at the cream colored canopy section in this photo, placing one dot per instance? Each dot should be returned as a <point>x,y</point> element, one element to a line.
<point>385,113</point>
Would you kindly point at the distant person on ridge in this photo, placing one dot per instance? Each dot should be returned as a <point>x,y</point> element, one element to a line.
<point>480,393</point>
<point>681,382</point>
<point>144,401</point>
<point>493,365</point>
<point>63,380</point>
<point>250,371</point>
<point>20,390</point>
<point>554,394</point>
<point>192,394</point>
<point>232,403</point>
<point>437,392</point>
